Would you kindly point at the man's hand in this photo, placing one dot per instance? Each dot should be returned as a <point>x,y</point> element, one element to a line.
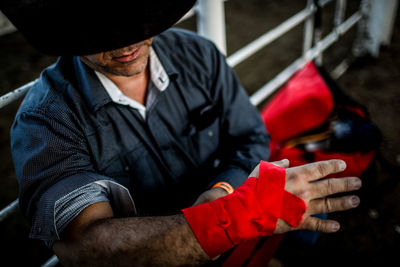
<point>217,192</point>
<point>306,182</point>
<point>256,208</point>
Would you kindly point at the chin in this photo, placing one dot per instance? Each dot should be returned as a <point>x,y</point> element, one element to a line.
<point>134,69</point>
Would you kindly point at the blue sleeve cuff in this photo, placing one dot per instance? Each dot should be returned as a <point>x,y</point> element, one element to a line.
<point>69,206</point>
<point>43,222</point>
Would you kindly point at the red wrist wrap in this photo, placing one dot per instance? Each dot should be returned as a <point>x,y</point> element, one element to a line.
<point>249,212</point>
<point>293,209</point>
<point>270,192</point>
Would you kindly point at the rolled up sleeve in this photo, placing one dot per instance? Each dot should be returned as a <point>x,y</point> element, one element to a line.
<point>52,162</point>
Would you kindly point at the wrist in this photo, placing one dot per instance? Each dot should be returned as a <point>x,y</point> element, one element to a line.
<point>219,192</point>
<point>224,186</point>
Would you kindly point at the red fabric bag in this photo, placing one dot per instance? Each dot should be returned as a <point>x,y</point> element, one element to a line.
<point>311,119</point>
<point>303,104</point>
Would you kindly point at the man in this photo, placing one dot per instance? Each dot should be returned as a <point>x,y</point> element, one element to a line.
<point>133,125</point>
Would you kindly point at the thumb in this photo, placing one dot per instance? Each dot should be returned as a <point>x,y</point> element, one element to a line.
<point>284,163</point>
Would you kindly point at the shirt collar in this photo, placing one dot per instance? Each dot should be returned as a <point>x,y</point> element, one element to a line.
<point>157,72</point>
<point>94,91</point>
<point>158,76</point>
<point>161,53</point>
<point>117,96</point>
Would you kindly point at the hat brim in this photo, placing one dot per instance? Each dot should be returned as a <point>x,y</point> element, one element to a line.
<point>71,27</point>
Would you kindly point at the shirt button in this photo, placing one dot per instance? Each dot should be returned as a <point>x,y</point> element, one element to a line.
<point>210,133</point>
<point>216,163</point>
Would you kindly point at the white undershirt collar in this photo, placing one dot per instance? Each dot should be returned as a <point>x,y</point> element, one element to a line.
<point>159,78</point>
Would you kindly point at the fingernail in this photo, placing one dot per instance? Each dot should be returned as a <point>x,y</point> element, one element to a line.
<point>335,227</point>
<point>355,201</point>
<point>356,183</point>
<point>342,165</point>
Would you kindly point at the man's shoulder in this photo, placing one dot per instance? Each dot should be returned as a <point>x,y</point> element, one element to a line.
<point>46,90</point>
<point>181,35</point>
<point>175,40</point>
<point>186,51</point>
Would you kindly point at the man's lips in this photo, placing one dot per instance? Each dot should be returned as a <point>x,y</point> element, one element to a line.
<point>129,57</point>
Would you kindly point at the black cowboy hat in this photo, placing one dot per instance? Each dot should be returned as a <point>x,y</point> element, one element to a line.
<point>72,27</point>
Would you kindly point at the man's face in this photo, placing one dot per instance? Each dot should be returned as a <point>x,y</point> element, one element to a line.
<point>126,61</point>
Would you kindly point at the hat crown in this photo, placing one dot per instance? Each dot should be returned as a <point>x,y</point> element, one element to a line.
<point>72,27</point>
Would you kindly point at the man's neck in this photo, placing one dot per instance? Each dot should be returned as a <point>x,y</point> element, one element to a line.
<point>134,87</point>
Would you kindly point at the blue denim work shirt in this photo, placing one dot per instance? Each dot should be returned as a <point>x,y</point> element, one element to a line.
<point>202,129</point>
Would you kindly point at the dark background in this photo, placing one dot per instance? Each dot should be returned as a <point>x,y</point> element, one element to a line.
<point>370,234</point>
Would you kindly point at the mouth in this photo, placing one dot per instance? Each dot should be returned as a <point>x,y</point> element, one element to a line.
<point>130,56</point>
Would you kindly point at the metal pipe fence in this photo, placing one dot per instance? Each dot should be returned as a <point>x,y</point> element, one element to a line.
<point>261,94</point>
<point>210,17</point>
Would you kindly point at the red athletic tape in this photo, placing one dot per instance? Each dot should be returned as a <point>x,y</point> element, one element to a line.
<point>293,209</point>
<point>280,202</point>
<point>208,229</point>
<point>270,192</point>
<point>251,211</point>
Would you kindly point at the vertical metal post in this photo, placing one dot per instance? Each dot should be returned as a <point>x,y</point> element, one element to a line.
<point>388,18</point>
<point>318,30</point>
<point>340,10</point>
<point>211,22</point>
<point>362,38</point>
<point>376,27</point>
<point>308,30</point>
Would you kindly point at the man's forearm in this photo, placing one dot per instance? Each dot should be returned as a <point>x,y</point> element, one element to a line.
<point>135,241</point>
